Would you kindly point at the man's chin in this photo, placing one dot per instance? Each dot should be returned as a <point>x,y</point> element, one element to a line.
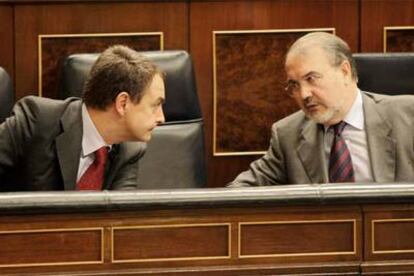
<point>147,138</point>
<point>320,117</point>
<point>143,138</point>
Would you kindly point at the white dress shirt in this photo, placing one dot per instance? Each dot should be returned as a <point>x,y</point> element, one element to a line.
<point>91,141</point>
<point>355,138</point>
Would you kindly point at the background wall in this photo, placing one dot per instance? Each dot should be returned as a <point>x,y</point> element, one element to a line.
<point>191,25</point>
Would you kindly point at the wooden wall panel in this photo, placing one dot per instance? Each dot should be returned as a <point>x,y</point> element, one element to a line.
<point>389,237</point>
<point>377,14</point>
<point>399,39</point>
<point>51,247</point>
<point>388,233</point>
<point>6,35</point>
<point>206,17</point>
<point>393,235</point>
<point>328,238</point>
<point>77,18</point>
<point>171,242</point>
<point>249,76</point>
<point>55,49</point>
<point>186,240</point>
<point>189,25</point>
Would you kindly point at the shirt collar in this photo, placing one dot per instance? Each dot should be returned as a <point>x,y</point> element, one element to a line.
<point>91,139</point>
<point>355,116</point>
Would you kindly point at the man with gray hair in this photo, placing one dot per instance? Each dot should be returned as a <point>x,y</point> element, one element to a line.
<point>89,143</point>
<point>341,134</point>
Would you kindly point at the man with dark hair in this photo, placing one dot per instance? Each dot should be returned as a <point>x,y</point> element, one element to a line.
<point>341,134</point>
<point>88,144</point>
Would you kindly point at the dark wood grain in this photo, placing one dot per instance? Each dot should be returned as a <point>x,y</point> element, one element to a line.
<point>304,237</point>
<point>377,14</point>
<point>389,237</point>
<point>399,40</point>
<point>45,247</point>
<point>171,242</point>
<point>77,18</point>
<point>206,17</point>
<point>311,238</point>
<point>189,25</point>
<point>250,81</point>
<point>182,250</point>
<point>56,49</point>
<point>6,35</point>
<point>394,235</point>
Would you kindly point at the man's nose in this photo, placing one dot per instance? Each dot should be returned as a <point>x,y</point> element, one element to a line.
<point>305,92</point>
<point>160,116</point>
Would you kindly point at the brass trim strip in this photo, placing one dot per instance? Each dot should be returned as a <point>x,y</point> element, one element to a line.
<point>43,36</point>
<point>373,251</point>
<point>239,153</point>
<point>214,34</point>
<point>275,31</point>
<point>391,28</point>
<point>353,252</point>
<point>101,261</point>
<point>228,256</point>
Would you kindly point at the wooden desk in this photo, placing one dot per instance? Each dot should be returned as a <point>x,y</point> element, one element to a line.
<point>298,229</point>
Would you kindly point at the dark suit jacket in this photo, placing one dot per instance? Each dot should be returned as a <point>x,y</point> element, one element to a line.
<point>40,147</point>
<point>296,153</point>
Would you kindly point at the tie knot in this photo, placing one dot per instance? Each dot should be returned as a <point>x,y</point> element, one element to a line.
<point>339,127</point>
<point>101,154</point>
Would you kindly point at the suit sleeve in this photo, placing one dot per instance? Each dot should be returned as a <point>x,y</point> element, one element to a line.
<point>126,177</point>
<point>268,170</point>
<point>15,135</point>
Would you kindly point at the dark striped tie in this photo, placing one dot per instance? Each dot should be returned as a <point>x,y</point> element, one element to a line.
<point>340,162</point>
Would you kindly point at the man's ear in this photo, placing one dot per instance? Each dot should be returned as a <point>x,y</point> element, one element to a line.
<point>346,69</point>
<point>121,103</point>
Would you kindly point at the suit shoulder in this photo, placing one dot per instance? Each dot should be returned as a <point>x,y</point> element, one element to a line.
<point>394,103</point>
<point>37,113</point>
<point>292,122</point>
<point>43,108</point>
<point>132,150</point>
<point>35,104</point>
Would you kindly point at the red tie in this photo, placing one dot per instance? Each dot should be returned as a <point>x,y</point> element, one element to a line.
<point>340,162</point>
<point>93,177</point>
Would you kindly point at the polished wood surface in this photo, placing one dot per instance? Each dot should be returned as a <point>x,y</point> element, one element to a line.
<point>316,237</point>
<point>377,14</point>
<point>6,34</point>
<point>172,242</point>
<point>189,24</point>
<point>292,230</point>
<point>249,78</point>
<point>77,18</point>
<point>188,249</point>
<point>49,246</point>
<point>399,39</point>
<point>206,17</point>
<point>55,49</point>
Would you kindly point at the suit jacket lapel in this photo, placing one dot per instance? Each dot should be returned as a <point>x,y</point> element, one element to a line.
<point>111,167</point>
<point>311,152</point>
<point>69,144</point>
<point>381,146</point>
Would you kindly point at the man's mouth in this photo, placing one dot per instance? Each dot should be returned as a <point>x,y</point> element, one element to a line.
<point>311,107</point>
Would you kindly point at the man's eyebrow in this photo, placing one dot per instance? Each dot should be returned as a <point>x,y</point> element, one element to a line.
<point>310,73</point>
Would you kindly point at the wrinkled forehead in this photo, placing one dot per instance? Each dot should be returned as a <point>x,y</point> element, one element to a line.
<point>304,60</point>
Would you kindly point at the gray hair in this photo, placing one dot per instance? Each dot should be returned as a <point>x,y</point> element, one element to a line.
<point>336,48</point>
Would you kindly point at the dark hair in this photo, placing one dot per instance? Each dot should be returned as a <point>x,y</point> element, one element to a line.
<point>118,69</point>
<point>337,49</point>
